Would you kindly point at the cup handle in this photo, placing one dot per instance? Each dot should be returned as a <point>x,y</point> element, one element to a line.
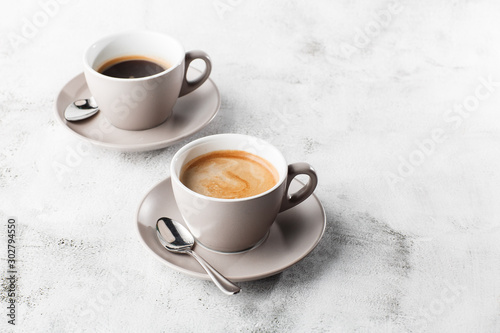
<point>189,86</point>
<point>294,199</point>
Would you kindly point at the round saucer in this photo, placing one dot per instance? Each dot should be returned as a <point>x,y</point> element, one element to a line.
<point>295,233</point>
<point>192,112</point>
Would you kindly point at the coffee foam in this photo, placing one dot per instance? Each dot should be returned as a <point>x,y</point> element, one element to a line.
<point>229,174</point>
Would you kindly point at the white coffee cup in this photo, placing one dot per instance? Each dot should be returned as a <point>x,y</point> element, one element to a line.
<point>232,225</point>
<point>144,102</point>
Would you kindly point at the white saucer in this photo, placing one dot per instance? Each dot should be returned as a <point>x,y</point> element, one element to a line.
<point>295,233</point>
<point>191,113</point>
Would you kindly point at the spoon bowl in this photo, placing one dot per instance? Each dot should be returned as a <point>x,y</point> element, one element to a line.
<point>81,109</point>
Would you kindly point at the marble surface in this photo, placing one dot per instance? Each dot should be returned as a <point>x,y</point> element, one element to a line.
<point>395,103</point>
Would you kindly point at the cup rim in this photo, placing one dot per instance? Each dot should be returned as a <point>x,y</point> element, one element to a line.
<point>196,142</point>
<point>90,69</point>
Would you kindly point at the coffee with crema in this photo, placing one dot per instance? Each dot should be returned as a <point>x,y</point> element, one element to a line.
<point>132,67</point>
<point>229,174</point>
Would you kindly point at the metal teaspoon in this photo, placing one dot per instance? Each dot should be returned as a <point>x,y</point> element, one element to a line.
<point>177,239</point>
<point>81,109</point>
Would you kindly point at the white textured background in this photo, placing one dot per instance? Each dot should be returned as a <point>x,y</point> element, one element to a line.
<point>356,88</point>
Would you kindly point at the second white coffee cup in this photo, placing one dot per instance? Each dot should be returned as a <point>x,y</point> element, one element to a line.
<point>143,102</point>
<point>233,225</point>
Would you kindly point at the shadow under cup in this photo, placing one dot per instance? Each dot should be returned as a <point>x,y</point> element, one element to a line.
<point>232,225</point>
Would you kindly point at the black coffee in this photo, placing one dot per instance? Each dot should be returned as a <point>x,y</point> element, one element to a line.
<point>131,67</point>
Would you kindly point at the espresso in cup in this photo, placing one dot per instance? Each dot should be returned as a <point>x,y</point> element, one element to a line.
<point>131,67</point>
<point>229,174</point>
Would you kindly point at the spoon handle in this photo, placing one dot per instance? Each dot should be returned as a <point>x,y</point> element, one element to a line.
<point>220,281</point>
